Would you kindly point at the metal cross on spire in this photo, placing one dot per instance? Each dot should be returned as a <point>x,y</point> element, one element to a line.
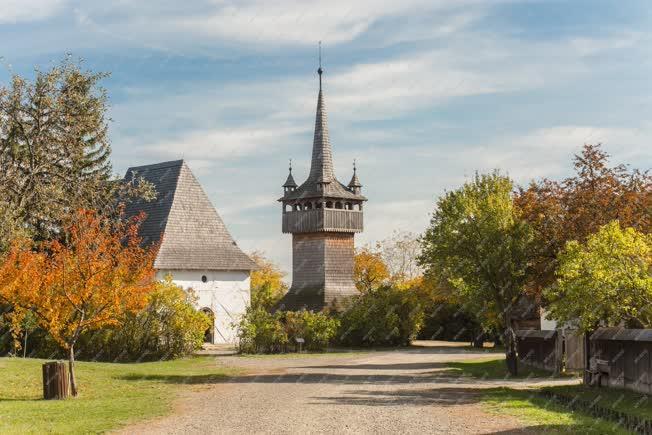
<point>320,70</point>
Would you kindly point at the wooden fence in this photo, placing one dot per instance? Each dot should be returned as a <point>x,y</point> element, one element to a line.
<point>621,358</point>
<point>541,349</point>
<point>551,350</point>
<point>574,355</point>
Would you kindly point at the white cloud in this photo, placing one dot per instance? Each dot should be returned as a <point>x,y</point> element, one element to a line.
<point>590,46</point>
<point>247,204</point>
<point>381,218</point>
<point>14,11</point>
<point>297,22</point>
<point>223,144</point>
<point>205,26</point>
<point>397,85</point>
<point>546,152</point>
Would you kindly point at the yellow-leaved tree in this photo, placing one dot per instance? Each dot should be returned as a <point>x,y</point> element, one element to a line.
<point>267,286</point>
<point>369,270</point>
<point>90,279</point>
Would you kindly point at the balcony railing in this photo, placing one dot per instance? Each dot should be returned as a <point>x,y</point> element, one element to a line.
<point>322,219</point>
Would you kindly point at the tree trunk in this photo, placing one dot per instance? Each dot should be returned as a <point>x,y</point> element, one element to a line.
<point>71,369</point>
<point>511,357</point>
<point>478,340</point>
<point>25,345</point>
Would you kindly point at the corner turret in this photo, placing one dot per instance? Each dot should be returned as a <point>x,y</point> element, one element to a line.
<point>354,185</point>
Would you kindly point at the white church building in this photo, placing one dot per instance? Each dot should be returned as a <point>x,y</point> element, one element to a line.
<point>195,248</point>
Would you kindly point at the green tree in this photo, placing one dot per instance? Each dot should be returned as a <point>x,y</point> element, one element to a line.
<point>383,316</point>
<point>54,150</point>
<point>477,245</point>
<point>607,279</point>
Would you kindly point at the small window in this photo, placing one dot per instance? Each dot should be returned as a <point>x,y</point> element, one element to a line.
<point>203,278</point>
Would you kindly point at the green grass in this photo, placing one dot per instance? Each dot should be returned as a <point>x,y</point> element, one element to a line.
<point>543,416</point>
<point>493,368</point>
<point>525,404</point>
<point>110,395</point>
<point>629,402</point>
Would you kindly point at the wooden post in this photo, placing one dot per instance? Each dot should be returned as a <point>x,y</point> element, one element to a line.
<point>587,378</point>
<point>55,380</point>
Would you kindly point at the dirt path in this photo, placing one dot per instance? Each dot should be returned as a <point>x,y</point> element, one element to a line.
<point>403,391</point>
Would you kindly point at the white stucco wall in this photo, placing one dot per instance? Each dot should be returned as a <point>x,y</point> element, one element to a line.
<point>227,294</point>
<point>547,324</point>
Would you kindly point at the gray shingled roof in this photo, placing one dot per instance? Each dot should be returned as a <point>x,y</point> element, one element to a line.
<point>355,181</point>
<point>190,231</point>
<point>321,167</point>
<point>289,182</point>
<point>534,333</point>
<point>622,334</point>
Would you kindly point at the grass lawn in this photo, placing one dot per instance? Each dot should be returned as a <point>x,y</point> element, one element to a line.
<point>493,368</point>
<point>626,401</point>
<point>543,416</point>
<point>110,395</point>
<point>526,404</point>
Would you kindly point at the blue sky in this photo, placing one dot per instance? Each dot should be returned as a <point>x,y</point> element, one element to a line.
<point>421,92</point>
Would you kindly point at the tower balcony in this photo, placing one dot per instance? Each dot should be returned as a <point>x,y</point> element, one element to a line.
<point>322,220</point>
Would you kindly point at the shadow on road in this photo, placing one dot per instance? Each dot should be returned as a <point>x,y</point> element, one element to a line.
<point>394,366</point>
<point>446,396</point>
<point>290,378</point>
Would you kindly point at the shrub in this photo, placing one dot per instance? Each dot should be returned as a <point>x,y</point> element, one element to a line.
<point>449,321</point>
<point>169,327</point>
<point>317,329</point>
<point>260,331</point>
<point>385,316</point>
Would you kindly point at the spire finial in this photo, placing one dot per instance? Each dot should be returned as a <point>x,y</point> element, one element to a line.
<point>354,168</point>
<point>290,165</point>
<point>320,71</point>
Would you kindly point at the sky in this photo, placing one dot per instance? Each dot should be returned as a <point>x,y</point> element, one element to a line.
<point>422,93</point>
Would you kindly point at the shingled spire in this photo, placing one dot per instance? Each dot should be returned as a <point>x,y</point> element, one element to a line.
<point>321,168</point>
<point>321,182</point>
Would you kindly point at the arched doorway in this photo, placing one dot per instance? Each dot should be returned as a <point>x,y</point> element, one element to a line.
<point>209,334</point>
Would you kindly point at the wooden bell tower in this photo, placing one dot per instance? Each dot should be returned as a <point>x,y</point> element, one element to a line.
<point>323,216</point>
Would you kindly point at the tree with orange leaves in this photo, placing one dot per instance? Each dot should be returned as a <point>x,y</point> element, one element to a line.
<point>576,207</point>
<point>99,272</point>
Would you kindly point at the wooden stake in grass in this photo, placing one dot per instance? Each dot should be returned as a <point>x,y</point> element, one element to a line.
<point>55,380</point>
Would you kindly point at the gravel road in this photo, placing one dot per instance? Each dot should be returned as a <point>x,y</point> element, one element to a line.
<point>403,391</point>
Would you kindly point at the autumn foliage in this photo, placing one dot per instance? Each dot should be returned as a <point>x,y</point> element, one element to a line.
<point>267,286</point>
<point>578,206</point>
<point>606,279</point>
<point>87,280</point>
<point>369,270</point>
